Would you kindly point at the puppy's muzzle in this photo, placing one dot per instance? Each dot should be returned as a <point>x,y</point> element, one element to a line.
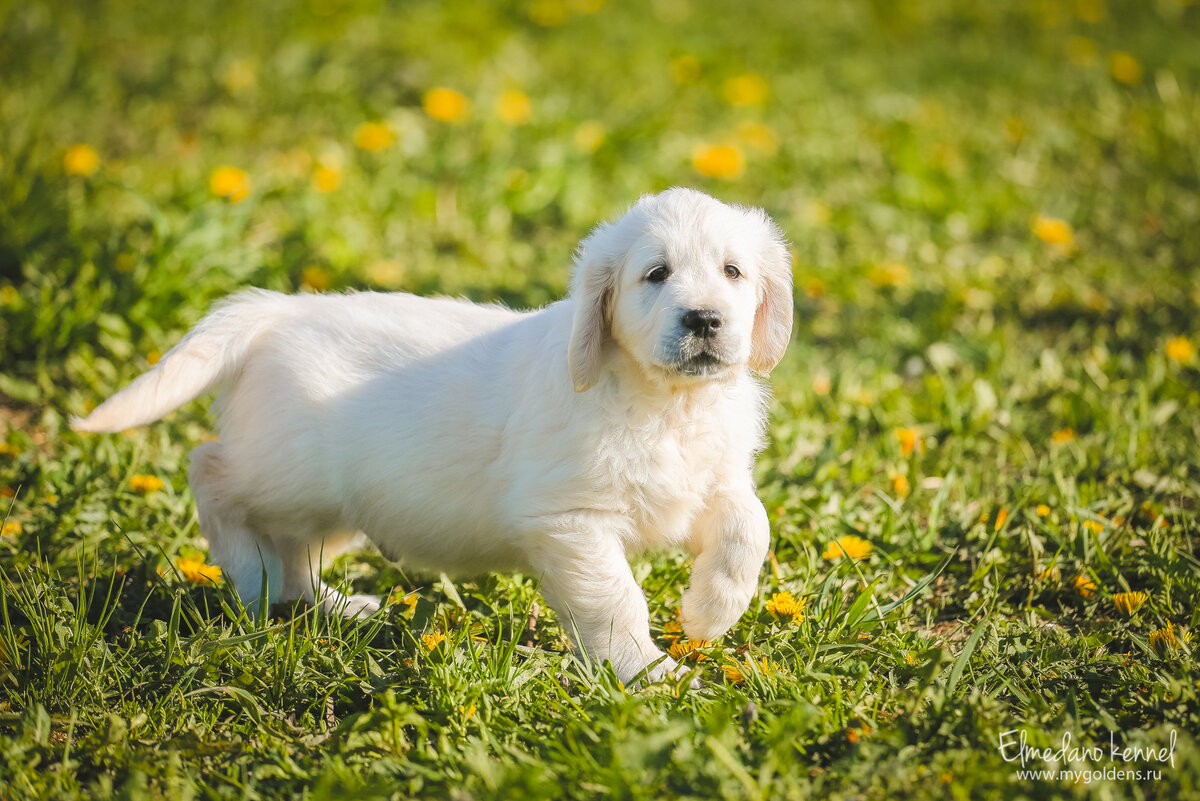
<point>702,323</point>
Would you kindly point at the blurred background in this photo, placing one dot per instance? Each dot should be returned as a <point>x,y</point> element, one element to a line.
<point>950,161</point>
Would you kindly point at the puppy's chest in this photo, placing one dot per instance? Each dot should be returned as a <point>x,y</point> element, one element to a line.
<point>660,477</point>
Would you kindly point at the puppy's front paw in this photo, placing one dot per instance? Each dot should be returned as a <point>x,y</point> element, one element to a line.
<point>708,615</point>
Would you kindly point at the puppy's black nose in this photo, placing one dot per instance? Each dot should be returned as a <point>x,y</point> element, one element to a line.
<point>702,322</point>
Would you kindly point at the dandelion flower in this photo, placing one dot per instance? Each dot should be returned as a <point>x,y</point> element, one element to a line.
<point>849,546</point>
<point>589,136</point>
<point>432,641</point>
<point>314,279</point>
<point>447,105</point>
<point>1053,231</point>
<point>688,649</point>
<point>909,439</point>
<point>230,183</point>
<point>1164,640</point>
<point>145,484</point>
<point>1085,586</point>
<point>784,604</point>
<point>719,161</point>
<point>1042,510</point>
<point>11,529</point>
<point>910,660</point>
<point>1001,519</point>
<point>1180,349</point>
<point>745,90</point>
<point>1062,435</point>
<point>889,275</point>
<point>1125,68</point>
<point>197,572</point>
<point>326,178</point>
<point>81,160</point>
<point>1130,602</point>
<point>374,136</point>
<point>1094,526</point>
<point>900,486</point>
<point>514,107</point>
<point>673,631</point>
<point>733,673</point>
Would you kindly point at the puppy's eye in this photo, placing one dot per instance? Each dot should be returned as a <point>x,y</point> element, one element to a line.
<point>658,274</point>
<point>731,271</point>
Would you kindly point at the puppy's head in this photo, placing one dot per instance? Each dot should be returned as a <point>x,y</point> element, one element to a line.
<point>691,288</point>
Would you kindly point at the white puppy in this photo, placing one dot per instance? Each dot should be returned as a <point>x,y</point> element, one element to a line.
<point>471,438</point>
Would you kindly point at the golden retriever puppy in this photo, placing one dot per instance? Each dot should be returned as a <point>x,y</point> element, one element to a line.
<point>468,438</point>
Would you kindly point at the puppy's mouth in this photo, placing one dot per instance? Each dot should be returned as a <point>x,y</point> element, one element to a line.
<point>699,358</point>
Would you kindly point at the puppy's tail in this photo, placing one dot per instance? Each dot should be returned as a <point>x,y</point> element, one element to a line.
<point>208,355</point>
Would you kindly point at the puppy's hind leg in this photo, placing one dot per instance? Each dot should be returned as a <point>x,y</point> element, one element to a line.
<point>249,562</point>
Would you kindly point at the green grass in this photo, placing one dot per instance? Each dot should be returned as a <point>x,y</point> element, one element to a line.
<point>930,135</point>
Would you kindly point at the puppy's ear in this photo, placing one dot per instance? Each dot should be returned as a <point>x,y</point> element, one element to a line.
<point>773,319</point>
<point>592,287</point>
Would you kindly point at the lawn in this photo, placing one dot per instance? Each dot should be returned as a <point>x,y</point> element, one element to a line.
<point>991,400</point>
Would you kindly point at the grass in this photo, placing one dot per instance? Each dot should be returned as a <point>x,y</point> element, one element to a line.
<point>993,382</point>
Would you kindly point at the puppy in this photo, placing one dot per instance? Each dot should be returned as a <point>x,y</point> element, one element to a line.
<point>468,438</point>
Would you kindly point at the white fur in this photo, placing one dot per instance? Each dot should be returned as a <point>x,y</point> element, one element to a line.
<point>471,438</point>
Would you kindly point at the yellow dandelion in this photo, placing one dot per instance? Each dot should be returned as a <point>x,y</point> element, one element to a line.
<point>447,105</point>
<point>1062,435</point>
<point>745,90</point>
<point>230,183</point>
<point>1180,349</point>
<point>197,572</point>
<point>1042,510</point>
<point>758,136</point>
<point>886,275</point>
<point>1164,640</point>
<point>1094,526</point>
<point>909,439</point>
<point>374,136</point>
<point>1125,68</point>
<point>688,649</point>
<point>719,161</point>
<point>469,712</point>
<point>1081,51</point>
<point>1085,586</point>
<point>673,631</point>
<point>1053,231</point>
<point>900,485</point>
<point>784,604</point>
<point>589,136</point>
<point>11,529</point>
<point>1130,602</point>
<point>326,178</point>
<point>81,160</point>
<point>1001,519</point>
<point>315,279</point>
<point>684,69</point>
<point>733,673</point>
<point>514,107</point>
<point>850,546</point>
<point>1049,574</point>
<point>909,659</point>
<point>145,484</point>
<point>432,641</point>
